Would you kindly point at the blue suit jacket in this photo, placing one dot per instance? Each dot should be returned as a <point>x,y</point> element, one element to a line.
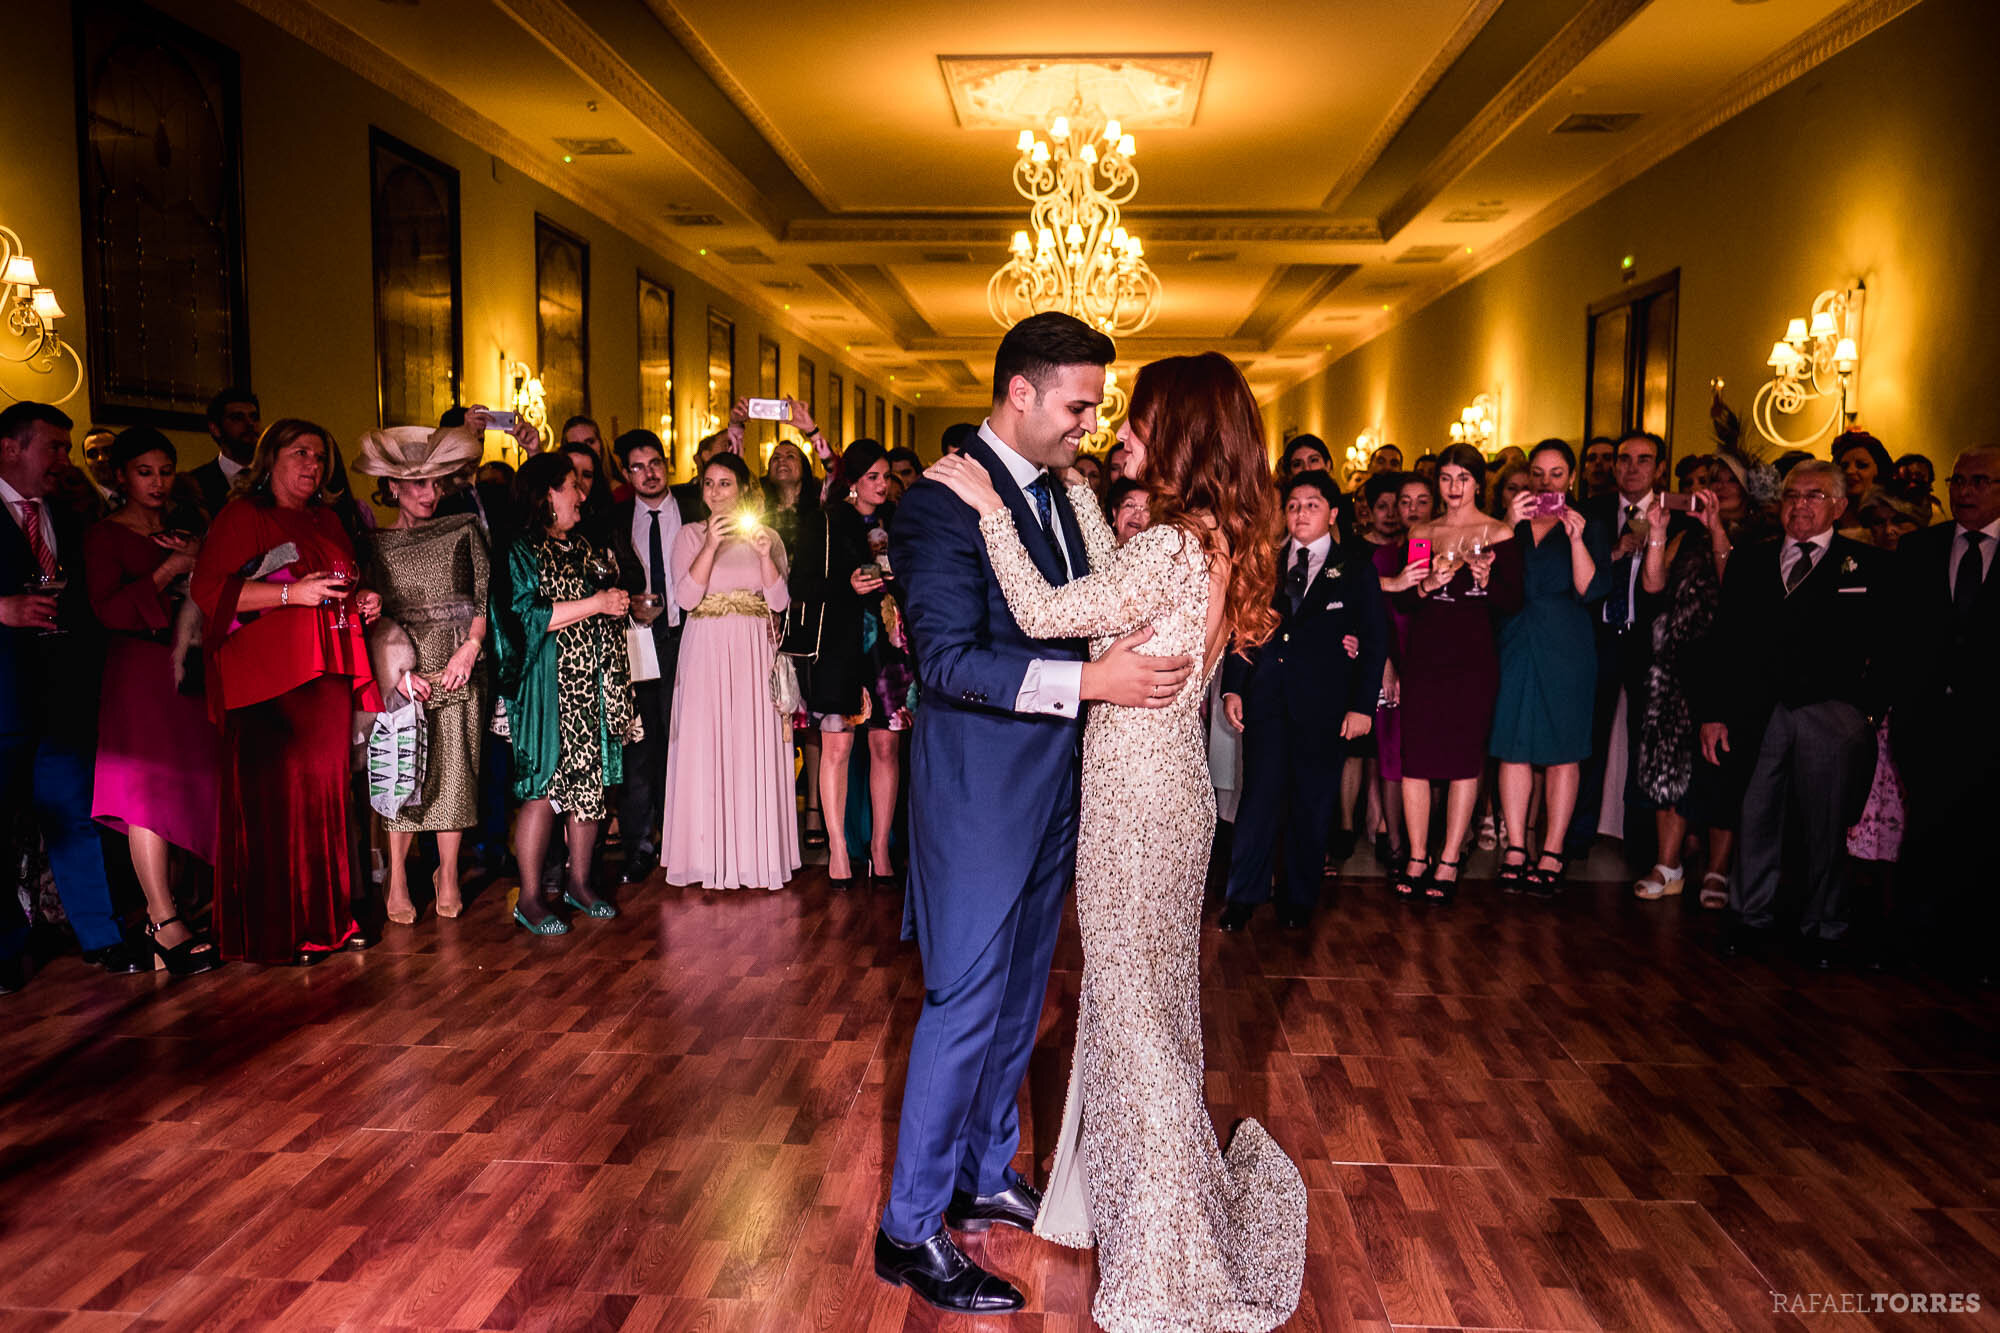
<point>1303,676</point>
<point>985,781</point>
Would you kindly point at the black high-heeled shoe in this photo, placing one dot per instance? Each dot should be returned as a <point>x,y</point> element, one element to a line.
<point>1548,883</point>
<point>1443,892</point>
<point>1407,885</point>
<point>1513,874</point>
<point>191,957</point>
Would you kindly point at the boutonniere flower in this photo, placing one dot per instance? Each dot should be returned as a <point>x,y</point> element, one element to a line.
<point>1847,566</point>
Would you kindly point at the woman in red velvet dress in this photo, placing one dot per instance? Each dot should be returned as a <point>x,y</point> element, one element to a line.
<point>156,748</point>
<point>287,668</point>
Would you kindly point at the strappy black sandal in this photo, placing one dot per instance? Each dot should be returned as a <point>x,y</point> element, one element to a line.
<point>191,957</point>
<point>1513,874</point>
<point>1406,884</point>
<point>1442,892</point>
<point>1548,883</point>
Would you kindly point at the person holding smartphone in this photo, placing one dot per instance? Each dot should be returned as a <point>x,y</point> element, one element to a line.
<point>1548,666</point>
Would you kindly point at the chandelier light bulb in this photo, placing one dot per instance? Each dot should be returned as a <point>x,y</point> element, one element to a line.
<point>1795,332</point>
<point>1046,239</point>
<point>1111,131</point>
<point>1074,236</point>
<point>1041,153</point>
<point>1060,129</point>
<point>1027,141</point>
<point>1782,355</point>
<point>1127,145</point>
<point>1087,154</point>
<point>20,272</point>
<point>1845,355</point>
<point>1823,325</point>
<point>1020,246</point>
<point>45,305</point>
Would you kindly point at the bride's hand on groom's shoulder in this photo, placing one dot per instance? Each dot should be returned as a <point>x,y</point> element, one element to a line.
<point>968,481</point>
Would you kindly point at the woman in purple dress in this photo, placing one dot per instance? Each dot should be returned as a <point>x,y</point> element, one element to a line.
<point>157,752</point>
<point>1450,668</point>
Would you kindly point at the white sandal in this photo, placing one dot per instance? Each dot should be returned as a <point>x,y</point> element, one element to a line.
<point>1662,883</point>
<point>1715,899</point>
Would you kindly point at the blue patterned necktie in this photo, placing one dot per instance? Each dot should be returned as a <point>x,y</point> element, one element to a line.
<point>1045,512</point>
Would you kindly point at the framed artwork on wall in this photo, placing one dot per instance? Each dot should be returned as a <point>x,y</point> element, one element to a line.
<point>656,362</point>
<point>159,135</point>
<point>860,413</point>
<point>721,371</point>
<point>767,387</point>
<point>562,319</point>
<point>1629,358</point>
<point>804,390</point>
<point>835,424</point>
<point>413,207</point>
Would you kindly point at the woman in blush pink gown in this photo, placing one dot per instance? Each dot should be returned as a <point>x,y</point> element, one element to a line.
<point>732,819</point>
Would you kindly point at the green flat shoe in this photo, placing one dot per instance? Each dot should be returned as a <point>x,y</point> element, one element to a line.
<point>600,909</point>
<point>550,925</point>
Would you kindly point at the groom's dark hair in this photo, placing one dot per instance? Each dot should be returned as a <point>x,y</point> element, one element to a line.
<point>1036,347</point>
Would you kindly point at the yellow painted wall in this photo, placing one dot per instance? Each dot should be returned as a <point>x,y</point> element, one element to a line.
<point>311,313</point>
<point>1881,164</point>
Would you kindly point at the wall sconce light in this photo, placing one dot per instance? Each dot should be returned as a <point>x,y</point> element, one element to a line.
<point>1364,447</point>
<point>1817,358</point>
<point>521,390</point>
<point>1478,424</point>
<point>31,314</point>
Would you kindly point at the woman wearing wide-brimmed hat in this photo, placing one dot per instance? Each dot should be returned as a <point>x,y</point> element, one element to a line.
<point>432,573</point>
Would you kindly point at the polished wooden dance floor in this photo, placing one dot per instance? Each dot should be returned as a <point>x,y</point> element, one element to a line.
<point>1509,1116</point>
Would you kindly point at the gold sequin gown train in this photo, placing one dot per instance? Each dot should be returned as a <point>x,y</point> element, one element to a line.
<point>1188,1237</point>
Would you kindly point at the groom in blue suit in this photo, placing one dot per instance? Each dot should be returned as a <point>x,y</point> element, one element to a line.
<point>993,810</point>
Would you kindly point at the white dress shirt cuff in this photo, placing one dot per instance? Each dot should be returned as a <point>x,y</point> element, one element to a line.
<point>1052,687</point>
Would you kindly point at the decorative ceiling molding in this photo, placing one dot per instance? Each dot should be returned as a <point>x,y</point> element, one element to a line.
<point>1804,53</point>
<point>349,49</point>
<point>577,44</point>
<point>1454,46</point>
<point>1289,296</point>
<point>1140,347</point>
<point>704,55</point>
<point>1590,29</point>
<point>1291,228</point>
<point>1026,92</point>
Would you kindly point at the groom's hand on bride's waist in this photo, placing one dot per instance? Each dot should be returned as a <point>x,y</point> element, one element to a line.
<point>1123,676</point>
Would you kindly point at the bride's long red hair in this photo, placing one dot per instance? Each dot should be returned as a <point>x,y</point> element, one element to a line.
<point>1204,441</point>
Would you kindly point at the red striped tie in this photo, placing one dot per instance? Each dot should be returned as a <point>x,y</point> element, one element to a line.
<point>31,527</point>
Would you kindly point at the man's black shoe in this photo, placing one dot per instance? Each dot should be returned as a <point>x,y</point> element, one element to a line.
<point>122,958</point>
<point>1293,918</point>
<point>13,973</point>
<point>1016,1206</point>
<point>938,1271</point>
<point>1741,941</point>
<point>1236,916</point>
<point>640,865</point>
<point>361,940</point>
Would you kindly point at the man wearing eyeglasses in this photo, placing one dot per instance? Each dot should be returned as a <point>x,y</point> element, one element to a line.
<point>1945,729</point>
<point>1789,687</point>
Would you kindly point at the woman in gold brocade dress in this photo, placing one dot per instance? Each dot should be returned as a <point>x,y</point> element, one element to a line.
<point>1188,1236</point>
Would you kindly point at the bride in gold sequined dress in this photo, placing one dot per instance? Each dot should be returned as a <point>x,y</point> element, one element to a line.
<point>1188,1236</point>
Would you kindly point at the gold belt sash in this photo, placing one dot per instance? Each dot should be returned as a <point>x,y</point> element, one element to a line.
<point>742,602</point>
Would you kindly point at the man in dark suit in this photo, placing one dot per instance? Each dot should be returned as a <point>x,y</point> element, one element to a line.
<point>1298,700</point>
<point>51,661</point>
<point>1625,517</point>
<point>1788,679</point>
<point>643,528</point>
<point>1945,726</point>
<point>993,811</point>
<point>234,424</point>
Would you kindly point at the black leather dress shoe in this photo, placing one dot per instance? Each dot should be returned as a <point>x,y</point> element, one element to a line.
<point>1235,916</point>
<point>938,1271</point>
<point>639,867</point>
<point>362,939</point>
<point>1741,941</point>
<point>122,958</point>
<point>1016,1206</point>
<point>1293,918</point>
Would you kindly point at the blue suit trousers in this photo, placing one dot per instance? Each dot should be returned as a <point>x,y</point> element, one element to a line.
<point>57,774</point>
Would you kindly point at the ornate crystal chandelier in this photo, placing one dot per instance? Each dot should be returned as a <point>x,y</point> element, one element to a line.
<point>1077,258</point>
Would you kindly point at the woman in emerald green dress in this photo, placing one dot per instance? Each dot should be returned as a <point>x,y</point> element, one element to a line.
<point>566,680</point>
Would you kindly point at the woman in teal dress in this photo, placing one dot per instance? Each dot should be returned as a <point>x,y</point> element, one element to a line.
<point>1548,669</point>
<point>566,682</point>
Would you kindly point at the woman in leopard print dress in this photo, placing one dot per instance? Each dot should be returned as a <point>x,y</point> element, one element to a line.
<point>1188,1236</point>
<point>566,681</point>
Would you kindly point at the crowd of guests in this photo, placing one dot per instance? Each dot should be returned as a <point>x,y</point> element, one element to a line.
<point>1777,671</point>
